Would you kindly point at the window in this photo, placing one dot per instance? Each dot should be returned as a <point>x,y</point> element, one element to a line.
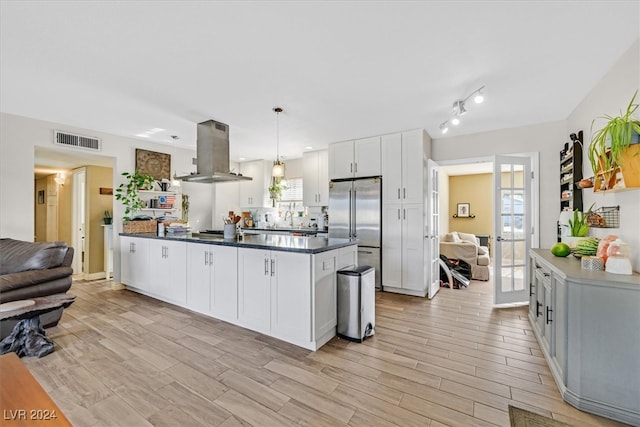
<point>293,193</point>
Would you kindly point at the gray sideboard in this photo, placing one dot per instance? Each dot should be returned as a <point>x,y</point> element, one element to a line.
<point>588,326</point>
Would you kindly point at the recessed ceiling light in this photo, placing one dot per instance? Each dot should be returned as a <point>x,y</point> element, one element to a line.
<point>143,135</point>
<point>156,130</point>
<point>243,158</point>
<point>309,148</point>
<point>455,121</point>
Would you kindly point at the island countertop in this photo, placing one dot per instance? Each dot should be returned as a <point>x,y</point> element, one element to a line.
<point>275,242</point>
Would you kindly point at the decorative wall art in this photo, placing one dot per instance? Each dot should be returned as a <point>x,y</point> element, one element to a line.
<point>158,165</point>
<point>463,210</point>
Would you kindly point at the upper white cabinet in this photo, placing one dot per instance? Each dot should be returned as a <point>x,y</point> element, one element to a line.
<point>353,159</point>
<point>316,178</point>
<point>255,193</point>
<point>403,159</point>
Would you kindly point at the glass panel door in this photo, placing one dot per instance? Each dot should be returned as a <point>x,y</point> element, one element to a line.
<point>432,231</point>
<point>512,201</point>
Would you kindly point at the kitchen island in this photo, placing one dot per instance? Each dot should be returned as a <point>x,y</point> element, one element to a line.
<point>281,286</point>
<point>588,325</point>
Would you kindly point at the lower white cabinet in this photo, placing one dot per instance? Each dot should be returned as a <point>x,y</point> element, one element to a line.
<point>403,267</point>
<point>168,270</point>
<point>325,317</point>
<point>134,261</point>
<point>275,292</point>
<point>212,280</point>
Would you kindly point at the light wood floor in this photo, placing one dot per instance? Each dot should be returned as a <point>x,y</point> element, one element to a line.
<point>123,359</point>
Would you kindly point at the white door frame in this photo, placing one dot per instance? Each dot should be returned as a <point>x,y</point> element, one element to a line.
<point>78,218</point>
<point>432,229</point>
<point>534,157</point>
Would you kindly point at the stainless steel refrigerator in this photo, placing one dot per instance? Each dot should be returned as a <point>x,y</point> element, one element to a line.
<point>355,211</point>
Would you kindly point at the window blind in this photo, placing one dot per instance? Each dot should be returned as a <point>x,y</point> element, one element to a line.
<point>293,193</point>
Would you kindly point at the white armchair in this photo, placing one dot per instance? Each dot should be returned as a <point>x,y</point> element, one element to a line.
<point>466,247</point>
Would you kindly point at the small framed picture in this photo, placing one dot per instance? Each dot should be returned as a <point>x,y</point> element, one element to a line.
<point>41,197</point>
<point>463,210</point>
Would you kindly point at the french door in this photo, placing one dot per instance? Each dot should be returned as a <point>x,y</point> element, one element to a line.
<point>432,230</point>
<point>512,230</point>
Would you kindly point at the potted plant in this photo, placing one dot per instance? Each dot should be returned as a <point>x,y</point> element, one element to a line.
<point>276,188</point>
<point>107,218</point>
<point>609,143</point>
<point>127,192</point>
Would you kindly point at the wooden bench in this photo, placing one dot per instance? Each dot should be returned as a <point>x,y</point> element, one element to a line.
<point>23,401</point>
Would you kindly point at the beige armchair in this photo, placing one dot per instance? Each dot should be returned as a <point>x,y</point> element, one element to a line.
<point>466,247</point>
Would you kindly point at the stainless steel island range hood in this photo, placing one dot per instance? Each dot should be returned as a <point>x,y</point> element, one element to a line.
<point>213,155</point>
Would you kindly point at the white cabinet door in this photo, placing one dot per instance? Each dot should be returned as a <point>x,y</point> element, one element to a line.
<point>316,178</point>
<point>310,179</point>
<point>392,168</point>
<point>413,159</point>
<point>392,245</point>
<point>168,270</point>
<point>291,295</point>
<point>323,178</point>
<point>199,258</point>
<point>134,256</point>
<point>224,289</point>
<point>367,157</point>
<point>253,193</point>
<point>325,296</point>
<point>413,266</point>
<point>254,289</point>
<point>341,160</point>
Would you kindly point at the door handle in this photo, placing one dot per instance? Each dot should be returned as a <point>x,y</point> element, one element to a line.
<point>499,238</point>
<point>549,319</point>
<point>273,267</point>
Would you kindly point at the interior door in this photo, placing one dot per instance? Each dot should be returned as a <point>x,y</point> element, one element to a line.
<point>78,219</point>
<point>432,230</point>
<point>512,205</point>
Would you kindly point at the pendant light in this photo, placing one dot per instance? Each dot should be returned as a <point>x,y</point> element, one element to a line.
<point>278,166</point>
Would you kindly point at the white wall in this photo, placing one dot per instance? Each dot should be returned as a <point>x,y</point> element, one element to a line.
<point>443,199</point>
<point>18,138</point>
<point>611,95</point>
<point>546,138</point>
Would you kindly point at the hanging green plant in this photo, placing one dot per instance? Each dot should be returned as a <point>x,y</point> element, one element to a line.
<point>128,192</point>
<point>608,144</point>
<point>278,185</point>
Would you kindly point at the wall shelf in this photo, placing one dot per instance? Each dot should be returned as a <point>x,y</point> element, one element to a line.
<point>470,216</point>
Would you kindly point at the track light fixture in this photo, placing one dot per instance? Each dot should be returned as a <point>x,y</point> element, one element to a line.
<point>459,109</point>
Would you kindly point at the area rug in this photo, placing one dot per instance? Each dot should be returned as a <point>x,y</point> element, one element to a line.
<point>523,418</point>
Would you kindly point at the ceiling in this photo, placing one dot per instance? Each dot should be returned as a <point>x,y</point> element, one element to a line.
<point>340,70</point>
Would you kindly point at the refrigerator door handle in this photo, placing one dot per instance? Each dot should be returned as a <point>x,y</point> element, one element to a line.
<point>353,218</point>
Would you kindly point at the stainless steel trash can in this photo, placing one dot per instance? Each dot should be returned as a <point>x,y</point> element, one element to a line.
<point>356,303</point>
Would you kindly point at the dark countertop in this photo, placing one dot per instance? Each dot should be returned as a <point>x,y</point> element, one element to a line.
<point>302,230</point>
<point>275,242</point>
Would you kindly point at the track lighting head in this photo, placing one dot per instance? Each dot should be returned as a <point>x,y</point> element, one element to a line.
<point>459,109</point>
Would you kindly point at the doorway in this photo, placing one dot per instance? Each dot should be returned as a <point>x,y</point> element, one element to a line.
<point>496,211</point>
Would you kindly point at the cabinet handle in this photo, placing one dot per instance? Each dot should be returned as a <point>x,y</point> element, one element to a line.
<point>398,193</point>
<point>273,267</point>
<point>351,167</point>
<point>210,258</point>
<point>404,193</point>
<point>266,267</point>
<point>538,305</point>
<point>404,214</point>
<point>206,258</point>
<point>531,293</point>
<point>546,274</point>
<point>134,247</point>
<point>356,171</point>
<point>398,213</point>
<point>549,319</point>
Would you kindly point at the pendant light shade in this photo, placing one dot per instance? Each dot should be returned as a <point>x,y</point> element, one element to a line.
<point>278,166</point>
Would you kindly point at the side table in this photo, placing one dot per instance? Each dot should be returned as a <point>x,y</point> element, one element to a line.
<point>28,336</point>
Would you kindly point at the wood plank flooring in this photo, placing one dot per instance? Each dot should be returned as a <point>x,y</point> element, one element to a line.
<point>123,359</point>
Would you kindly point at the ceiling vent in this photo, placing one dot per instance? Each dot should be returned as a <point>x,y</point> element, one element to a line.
<point>78,141</point>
